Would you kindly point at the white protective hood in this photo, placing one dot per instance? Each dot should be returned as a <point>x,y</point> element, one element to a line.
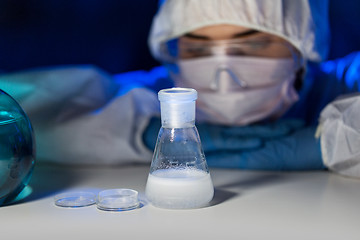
<point>303,23</point>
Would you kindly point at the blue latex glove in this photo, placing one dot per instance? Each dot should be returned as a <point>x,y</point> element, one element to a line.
<point>220,138</point>
<point>297,151</point>
<point>217,137</point>
<point>151,132</point>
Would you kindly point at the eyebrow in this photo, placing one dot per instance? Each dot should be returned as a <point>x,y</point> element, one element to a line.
<point>237,35</point>
<point>246,33</point>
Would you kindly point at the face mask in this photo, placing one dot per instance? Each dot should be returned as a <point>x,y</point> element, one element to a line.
<point>239,90</point>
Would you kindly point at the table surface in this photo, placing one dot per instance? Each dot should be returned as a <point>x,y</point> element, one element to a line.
<point>247,205</point>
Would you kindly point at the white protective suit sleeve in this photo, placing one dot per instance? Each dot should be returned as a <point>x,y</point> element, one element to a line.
<point>78,117</point>
<point>339,133</point>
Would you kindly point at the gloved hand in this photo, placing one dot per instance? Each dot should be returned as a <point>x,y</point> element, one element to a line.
<point>217,137</point>
<point>297,151</point>
<point>220,138</point>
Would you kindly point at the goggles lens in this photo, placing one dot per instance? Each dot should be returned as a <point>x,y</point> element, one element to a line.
<point>188,49</point>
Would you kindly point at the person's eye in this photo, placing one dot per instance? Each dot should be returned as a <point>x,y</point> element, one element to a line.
<point>258,45</point>
<point>255,48</point>
<point>196,51</point>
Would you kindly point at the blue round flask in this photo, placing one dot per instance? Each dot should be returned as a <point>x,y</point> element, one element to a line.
<point>17,149</point>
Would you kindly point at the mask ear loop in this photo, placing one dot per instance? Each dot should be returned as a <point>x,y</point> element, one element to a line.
<point>214,85</point>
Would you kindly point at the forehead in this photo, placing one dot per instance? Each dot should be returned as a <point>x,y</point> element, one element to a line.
<point>227,31</point>
<point>217,32</point>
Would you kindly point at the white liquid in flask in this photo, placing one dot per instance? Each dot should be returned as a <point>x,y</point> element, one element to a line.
<point>179,188</point>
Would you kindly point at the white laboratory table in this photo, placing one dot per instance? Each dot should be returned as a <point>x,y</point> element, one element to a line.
<point>247,205</point>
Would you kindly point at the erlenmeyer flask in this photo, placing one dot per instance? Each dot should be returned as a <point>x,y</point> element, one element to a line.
<point>179,177</point>
<point>17,149</point>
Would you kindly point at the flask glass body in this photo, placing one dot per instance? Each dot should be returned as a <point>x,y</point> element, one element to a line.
<point>17,149</point>
<point>179,177</point>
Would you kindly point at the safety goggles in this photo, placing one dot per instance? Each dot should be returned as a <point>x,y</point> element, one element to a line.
<point>182,48</point>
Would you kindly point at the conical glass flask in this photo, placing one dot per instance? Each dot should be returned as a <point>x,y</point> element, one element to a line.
<point>179,177</point>
<point>17,149</point>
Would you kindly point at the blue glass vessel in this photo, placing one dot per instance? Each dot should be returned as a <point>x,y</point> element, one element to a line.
<point>17,149</point>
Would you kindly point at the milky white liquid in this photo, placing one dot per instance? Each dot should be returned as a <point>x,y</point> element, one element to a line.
<point>184,188</point>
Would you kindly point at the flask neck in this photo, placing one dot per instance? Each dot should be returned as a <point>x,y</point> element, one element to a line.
<point>177,114</point>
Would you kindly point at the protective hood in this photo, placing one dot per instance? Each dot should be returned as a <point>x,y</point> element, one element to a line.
<point>303,23</point>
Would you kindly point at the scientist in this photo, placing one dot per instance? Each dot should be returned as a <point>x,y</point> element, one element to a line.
<point>253,65</point>
<point>258,67</point>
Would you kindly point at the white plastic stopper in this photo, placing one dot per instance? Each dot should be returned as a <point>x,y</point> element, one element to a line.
<point>177,107</point>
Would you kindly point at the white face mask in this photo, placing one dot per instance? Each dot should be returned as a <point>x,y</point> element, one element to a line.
<point>239,90</point>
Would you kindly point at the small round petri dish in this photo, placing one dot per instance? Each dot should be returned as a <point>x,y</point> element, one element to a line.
<point>75,199</point>
<point>118,200</point>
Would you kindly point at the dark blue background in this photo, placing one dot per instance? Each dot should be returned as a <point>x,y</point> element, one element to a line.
<point>112,34</point>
